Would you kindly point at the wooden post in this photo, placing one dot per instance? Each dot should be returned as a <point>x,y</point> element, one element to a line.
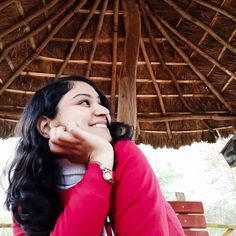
<point>127,105</point>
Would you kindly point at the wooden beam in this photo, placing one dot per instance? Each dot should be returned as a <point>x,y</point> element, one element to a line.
<point>186,131</point>
<point>210,25</point>
<point>185,57</point>
<point>27,19</point>
<point>41,46</point>
<point>127,106</point>
<point>37,30</point>
<point>158,119</point>
<point>77,37</point>
<point>114,57</point>
<point>5,4</point>
<point>95,41</point>
<point>98,62</point>
<point>103,40</point>
<point>217,9</point>
<point>199,51</point>
<point>201,25</point>
<point>156,86</point>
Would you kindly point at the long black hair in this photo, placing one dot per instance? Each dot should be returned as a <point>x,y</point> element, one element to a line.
<point>32,193</point>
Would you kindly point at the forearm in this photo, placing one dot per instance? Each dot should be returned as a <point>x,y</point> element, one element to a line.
<point>87,208</point>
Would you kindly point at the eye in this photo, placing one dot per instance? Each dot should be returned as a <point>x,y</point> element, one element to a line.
<point>84,102</point>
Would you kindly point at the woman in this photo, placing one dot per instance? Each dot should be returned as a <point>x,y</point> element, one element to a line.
<point>72,170</point>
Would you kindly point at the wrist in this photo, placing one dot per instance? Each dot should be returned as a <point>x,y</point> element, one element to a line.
<point>105,158</point>
<point>107,174</point>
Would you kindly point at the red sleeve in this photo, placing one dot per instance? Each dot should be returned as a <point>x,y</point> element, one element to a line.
<point>139,207</point>
<point>86,206</point>
<point>17,231</point>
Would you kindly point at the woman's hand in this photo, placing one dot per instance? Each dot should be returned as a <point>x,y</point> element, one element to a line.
<point>80,146</point>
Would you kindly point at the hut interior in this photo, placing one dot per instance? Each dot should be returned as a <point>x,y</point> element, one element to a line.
<point>168,66</point>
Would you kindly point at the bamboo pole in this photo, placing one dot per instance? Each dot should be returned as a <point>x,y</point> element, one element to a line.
<point>158,119</point>
<point>201,25</point>
<point>210,25</point>
<point>169,72</point>
<point>27,28</point>
<point>95,41</point>
<point>98,12</point>
<point>41,47</point>
<point>114,57</point>
<point>174,132</point>
<point>186,58</point>
<point>103,40</point>
<point>97,62</point>
<point>181,19</point>
<point>6,3</point>
<point>28,19</point>
<point>35,31</point>
<point>199,51</point>
<point>158,91</point>
<point>217,9</point>
<point>77,37</point>
<point>160,57</point>
<point>222,52</point>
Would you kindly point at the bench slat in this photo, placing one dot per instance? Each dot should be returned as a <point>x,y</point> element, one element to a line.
<point>187,207</point>
<point>196,233</point>
<point>192,221</point>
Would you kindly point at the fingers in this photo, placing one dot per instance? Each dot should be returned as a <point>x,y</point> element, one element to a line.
<point>65,143</point>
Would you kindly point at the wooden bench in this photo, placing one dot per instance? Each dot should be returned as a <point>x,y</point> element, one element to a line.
<point>191,217</point>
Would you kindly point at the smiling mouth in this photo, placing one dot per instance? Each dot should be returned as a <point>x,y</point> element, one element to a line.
<point>99,125</point>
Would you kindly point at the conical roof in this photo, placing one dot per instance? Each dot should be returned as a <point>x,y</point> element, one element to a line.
<point>168,66</point>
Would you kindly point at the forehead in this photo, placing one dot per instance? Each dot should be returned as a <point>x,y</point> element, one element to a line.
<point>82,88</point>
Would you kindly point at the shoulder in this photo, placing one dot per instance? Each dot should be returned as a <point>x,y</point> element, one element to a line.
<point>125,147</point>
<point>128,151</point>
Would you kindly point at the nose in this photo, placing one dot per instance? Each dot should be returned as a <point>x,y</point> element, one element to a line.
<point>100,110</point>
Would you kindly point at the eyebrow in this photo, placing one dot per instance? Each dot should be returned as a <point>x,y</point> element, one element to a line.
<point>86,95</point>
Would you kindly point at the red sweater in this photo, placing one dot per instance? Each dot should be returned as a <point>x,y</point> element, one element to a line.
<point>135,203</point>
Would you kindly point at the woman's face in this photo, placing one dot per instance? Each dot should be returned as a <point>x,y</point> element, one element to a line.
<point>82,106</point>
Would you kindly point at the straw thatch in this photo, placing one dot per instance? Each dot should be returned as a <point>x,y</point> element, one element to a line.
<point>168,66</point>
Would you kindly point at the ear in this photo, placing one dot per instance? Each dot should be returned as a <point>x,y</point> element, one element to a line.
<point>43,126</point>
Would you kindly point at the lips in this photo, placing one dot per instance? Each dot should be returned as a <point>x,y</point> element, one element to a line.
<point>100,124</point>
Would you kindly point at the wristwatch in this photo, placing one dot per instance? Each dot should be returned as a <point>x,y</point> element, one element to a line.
<point>107,174</point>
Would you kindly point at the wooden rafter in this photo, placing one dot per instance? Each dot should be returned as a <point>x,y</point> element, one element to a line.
<point>217,9</point>
<point>114,56</point>
<point>77,37</point>
<point>35,31</point>
<point>168,118</point>
<point>6,3</point>
<point>95,41</point>
<point>186,10</point>
<point>40,47</point>
<point>199,51</point>
<point>156,86</point>
<point>210,25</point>
<point>127,106</point>
<point>103,40</point>
<point>27,29</point>
<point>174,132</point>
<point>27,19</point>
<point>186,58</point>
<point>97,62</point>
<point>201,25</point>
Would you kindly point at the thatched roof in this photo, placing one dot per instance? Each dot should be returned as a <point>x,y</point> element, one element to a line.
<point>168,66</point>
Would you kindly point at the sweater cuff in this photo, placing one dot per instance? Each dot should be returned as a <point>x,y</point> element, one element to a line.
<point>93,181</point>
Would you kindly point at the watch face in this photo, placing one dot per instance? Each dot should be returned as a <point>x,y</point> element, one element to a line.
<point>107,176</point>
